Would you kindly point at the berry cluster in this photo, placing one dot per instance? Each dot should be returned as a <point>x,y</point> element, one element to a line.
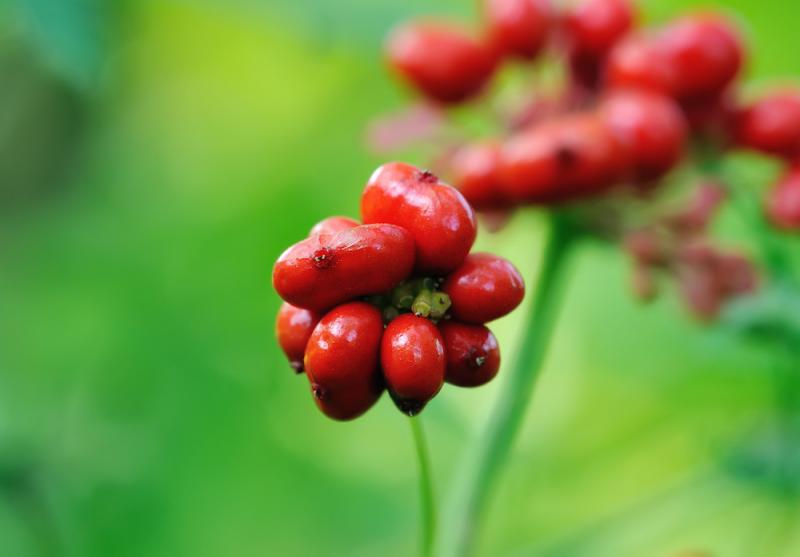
<point>397,302</point>
<point>635,104</point>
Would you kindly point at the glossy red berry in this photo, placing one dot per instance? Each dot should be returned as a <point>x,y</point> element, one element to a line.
<point>771,124</point>
<point>436,214</point>
<point>293,328</point>
<point>705,52</point>
<point>652,129</point>
<point>413,361</point>
<point>639,62</point>
<point>561,160</point>
<point>592,27</point>
<point>342,360</point>
<point>441,59</point>
<point>332,225</point>
<point>474,169</point>
<point>325,270</point>
<point>518,28</point>
<point>473,355</point>
<point>485,287</point>
<point>783,202</point>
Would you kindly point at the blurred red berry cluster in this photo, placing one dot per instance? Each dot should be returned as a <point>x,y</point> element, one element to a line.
<point>636,103</point>
<point>395,303</point>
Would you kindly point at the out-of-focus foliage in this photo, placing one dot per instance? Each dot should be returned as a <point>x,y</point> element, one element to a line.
<point>156,157</point>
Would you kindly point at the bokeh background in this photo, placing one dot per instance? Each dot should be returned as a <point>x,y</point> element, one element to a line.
<point>156,157</point>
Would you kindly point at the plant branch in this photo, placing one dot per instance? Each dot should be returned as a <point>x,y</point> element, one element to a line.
<point>426,495</point>
<point>482,466</point>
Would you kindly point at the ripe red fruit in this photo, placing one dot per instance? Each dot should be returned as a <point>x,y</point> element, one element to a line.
<point>293,328</point>
<point>332,225</point>
<point>436,214</point>
<point>771,124</point>
<point>783,202</point>
<point>652,129</point>
<point>342,360</point>
<point>474,170</point>
<point>484,288</point>
<point>440,59</point>
<point>413,361</point>
<point>592,27</point>
<point>325,270</point>
<point>639,62</point>
<point>473,355</point>
<point>518,27</point>
<point>561,160</point>
<point>705,52</point>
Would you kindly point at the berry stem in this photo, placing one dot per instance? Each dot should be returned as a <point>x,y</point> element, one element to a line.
<point>426,495</point>
<point>482,466</point>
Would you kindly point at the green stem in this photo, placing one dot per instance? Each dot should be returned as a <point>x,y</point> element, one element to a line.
<point>427,505</point>
<point>481,468</point>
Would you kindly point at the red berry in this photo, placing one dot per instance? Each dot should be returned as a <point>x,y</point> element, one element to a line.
<point>332,225</point>
<point>413,361</point>
<point>705,52</point>
<point>441,59</point>
<point>561,160</point>
<point>711,116</point>
<point>293,327</point>
<point>475,173</point>
<point>783,202</point>
<point>436,214</point>
<point>652,129</point>
<point>473,355</point>
<point>325,270</point>
<point>772,124</point>
<point>518,27</point>
<point>639,62</point>
<point>484,288</point>
<point>593,26</point>
<point>342,360</point>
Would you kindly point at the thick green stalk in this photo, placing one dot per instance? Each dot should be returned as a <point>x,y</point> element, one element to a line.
<point>482,466</point>
<point>426,496</point>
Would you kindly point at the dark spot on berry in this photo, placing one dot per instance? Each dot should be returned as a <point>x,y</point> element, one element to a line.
<point>428,177</point>
<point>319,392</point>
<point>297,366</point>
<point>566,157</point>
<point>323,258</point>
<point>407,406</point>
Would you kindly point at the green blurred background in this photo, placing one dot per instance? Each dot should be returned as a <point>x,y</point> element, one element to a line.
<point>155,158</point>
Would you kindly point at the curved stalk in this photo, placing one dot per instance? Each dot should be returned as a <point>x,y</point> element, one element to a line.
<point>426,497</point>
<point>482,466</point>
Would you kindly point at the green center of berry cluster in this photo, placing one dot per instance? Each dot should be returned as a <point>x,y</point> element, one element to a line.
<point>420,296</point>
